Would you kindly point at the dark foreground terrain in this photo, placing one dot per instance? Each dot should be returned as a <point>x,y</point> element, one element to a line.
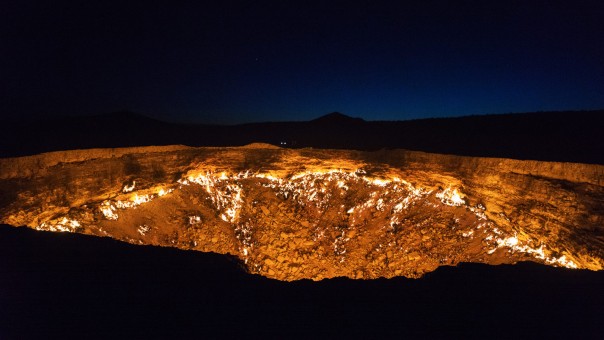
<point>60,284</point>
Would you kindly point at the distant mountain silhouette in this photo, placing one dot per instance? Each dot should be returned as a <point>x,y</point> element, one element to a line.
<point>335,118</point>
<point>571,136</point>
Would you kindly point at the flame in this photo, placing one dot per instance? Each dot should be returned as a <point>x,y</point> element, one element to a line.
<point>138,200</point>
<point>451,197</point>
<point>515,245</point>
<point>129,188</point>
<point>108,211</point>
<point>63,225</point>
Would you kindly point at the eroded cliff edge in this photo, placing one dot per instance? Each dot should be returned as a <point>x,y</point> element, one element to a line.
<point>310,213</point>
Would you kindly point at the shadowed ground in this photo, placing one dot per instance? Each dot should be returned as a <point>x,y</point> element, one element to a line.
<point>75,285</point>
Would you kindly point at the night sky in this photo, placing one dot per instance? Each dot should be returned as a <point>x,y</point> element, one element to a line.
<point>258,61</point>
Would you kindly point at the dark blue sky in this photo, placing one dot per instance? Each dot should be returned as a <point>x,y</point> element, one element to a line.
<point>234,63</point>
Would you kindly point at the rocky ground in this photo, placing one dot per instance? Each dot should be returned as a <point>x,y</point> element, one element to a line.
<point>308,213</point>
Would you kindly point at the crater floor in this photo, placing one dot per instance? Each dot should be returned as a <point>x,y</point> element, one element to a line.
<point>308,213</point>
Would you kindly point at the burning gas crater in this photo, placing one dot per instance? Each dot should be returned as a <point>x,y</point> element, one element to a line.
<point>293,214</point>
<point>351,201</point>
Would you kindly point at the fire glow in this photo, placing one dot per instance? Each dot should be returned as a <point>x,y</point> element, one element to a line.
<point>226,192</point>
